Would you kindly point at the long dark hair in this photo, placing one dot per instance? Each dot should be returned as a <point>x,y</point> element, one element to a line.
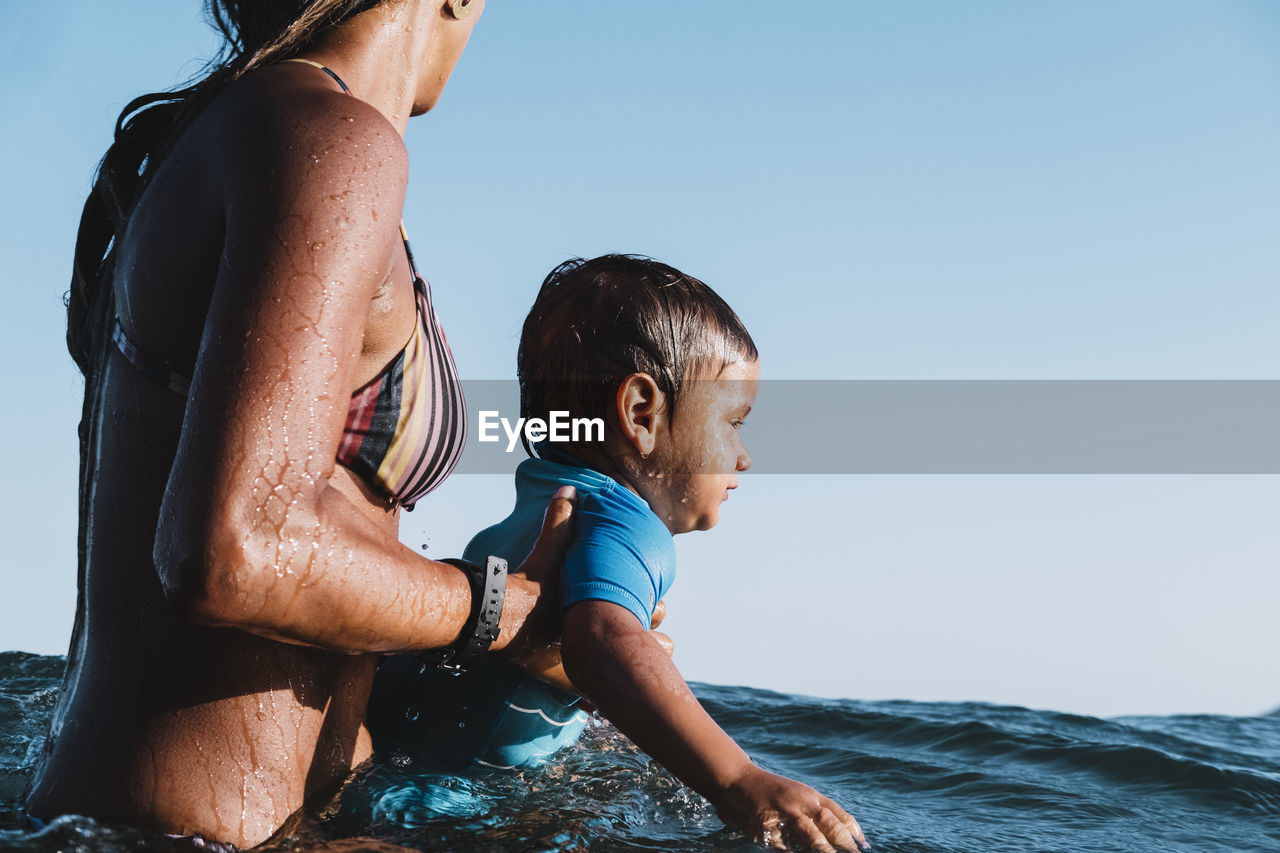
<point>256,33</point>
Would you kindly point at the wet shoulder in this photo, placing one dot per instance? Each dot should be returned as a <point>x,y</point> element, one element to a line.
<point>304,137</point>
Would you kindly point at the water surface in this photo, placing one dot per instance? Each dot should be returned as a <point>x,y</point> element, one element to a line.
<point>920,777</point>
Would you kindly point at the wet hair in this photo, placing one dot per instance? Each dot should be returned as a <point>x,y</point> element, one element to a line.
<point>596,322</point>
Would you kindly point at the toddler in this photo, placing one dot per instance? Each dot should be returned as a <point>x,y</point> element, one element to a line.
<point>672,372</point>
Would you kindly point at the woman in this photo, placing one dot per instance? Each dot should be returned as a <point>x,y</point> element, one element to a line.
<point>254,420</point>
<point>240,567</point>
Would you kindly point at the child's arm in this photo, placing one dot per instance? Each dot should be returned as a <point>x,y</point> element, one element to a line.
<point>630,678</point>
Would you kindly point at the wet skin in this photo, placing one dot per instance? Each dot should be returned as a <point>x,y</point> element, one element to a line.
<point>239,583</point>
<point>683,461</point>
<point>186,726</point>
<point>695,461</point>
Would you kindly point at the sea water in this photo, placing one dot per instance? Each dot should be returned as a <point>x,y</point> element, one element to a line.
<point>921,778</point>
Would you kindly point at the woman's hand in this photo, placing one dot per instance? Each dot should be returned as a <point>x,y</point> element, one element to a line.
<point>530,630</point>
<point>777,810</point>
<point>541,570</point>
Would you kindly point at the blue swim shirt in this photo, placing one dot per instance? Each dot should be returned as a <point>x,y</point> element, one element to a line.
<point>621,552</point>
<point>494,714</point>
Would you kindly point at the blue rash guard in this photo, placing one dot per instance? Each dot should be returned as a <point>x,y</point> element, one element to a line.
<point>494,714</point>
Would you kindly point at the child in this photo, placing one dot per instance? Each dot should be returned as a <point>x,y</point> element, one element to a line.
<point>672,372</point>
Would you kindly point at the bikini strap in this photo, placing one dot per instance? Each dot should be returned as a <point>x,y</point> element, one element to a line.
<point>413,268</point>
<point>152,368</point>
<point>326,69</point>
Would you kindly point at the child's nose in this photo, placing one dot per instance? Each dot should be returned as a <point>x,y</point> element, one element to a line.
<point>744,460</point>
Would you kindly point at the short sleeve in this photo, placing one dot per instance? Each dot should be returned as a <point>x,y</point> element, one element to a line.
<point>621,553</point>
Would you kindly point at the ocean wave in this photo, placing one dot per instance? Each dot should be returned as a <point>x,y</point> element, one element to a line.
<point>921,777</point>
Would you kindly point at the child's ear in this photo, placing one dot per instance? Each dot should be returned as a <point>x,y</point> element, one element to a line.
<point>640,405</point>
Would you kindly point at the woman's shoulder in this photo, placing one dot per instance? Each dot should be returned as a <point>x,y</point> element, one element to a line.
<point>266,126</point>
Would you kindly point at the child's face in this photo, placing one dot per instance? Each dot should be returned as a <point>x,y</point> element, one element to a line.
<point>696,461</point>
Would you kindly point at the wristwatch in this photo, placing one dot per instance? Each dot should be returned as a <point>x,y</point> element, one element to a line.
<point>488,592</point>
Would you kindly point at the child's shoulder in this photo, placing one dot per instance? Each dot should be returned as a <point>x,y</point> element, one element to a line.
<point>620,507</point>
<point>621,553</point>
<point>539,478</point>
<point>544,475</point>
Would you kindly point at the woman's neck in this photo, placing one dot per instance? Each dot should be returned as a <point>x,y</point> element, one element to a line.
<point>381,55</point>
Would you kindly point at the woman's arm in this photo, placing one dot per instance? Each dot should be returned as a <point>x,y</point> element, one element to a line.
<point>253,533</point>
<point>631,679</point>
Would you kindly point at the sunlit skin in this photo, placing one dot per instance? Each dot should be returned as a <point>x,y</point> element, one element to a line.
<point>240,585</point>
<point>239,582</point>
<point>691,457</point>
<point>684,460</point>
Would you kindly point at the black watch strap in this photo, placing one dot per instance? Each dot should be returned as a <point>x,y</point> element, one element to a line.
<point>488,592</point>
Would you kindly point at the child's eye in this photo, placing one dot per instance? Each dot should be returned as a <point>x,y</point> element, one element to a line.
<point>737,423</point>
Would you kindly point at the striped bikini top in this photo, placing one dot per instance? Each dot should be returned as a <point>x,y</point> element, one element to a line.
<point>406,427</point>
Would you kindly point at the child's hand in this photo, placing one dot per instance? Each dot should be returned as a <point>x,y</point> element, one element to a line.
<point>776,810</point>
<point>626,672</point>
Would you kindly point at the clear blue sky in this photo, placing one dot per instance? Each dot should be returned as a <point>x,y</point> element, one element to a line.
<point>911,190</point>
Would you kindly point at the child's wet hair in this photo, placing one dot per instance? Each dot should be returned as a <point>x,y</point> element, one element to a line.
<point>597,321</point>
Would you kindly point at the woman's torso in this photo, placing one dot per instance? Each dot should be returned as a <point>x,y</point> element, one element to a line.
<point>190,728</point>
